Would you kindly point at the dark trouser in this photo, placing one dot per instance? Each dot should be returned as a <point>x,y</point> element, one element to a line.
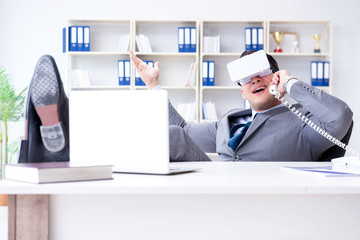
<point>183,148</point>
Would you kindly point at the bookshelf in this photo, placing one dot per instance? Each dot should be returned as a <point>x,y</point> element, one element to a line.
<point>101,60</point>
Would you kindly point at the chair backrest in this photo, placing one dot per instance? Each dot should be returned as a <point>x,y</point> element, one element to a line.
<point>336,151</point>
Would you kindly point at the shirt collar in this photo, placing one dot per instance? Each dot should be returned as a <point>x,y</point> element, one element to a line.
<point>254,112</point>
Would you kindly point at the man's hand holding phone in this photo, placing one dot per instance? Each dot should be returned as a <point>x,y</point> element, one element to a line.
<point>279,79</point>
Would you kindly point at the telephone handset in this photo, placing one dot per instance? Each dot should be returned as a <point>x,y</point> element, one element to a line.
<point>273,91</point>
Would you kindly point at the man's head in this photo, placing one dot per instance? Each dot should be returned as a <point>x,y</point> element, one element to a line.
<point>257,90</point>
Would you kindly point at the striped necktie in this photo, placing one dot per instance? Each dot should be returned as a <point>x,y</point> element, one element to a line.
<point>234,141</point>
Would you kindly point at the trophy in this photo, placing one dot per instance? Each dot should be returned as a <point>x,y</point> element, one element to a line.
<point>317,39</point>
<point>278,37</point>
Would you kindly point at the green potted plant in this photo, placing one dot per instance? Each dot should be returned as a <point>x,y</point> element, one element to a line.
<point>11,110</point>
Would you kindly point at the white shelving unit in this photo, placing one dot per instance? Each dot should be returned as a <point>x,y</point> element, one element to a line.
<point>101,61</point>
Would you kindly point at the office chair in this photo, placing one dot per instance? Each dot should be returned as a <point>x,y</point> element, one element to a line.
<point>336,151</point>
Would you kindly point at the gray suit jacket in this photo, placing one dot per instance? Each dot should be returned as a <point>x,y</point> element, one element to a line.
<point>278,134</point>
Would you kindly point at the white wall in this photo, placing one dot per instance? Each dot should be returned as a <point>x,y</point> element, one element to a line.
<point>30,29</point>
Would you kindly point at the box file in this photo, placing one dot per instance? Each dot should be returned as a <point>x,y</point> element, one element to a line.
<point>73,38</point>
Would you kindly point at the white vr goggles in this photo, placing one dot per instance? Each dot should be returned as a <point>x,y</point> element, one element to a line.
<point>249,66</point>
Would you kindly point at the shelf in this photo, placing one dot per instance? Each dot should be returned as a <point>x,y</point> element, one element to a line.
<point>97,53</point>
<point>102,61</point>
<point>100,88</point>
<point>221,87</point>
<point>275,54</point>
<point>167,54</point>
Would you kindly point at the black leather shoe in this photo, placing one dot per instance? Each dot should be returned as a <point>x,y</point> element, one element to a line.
<point>46,100</point>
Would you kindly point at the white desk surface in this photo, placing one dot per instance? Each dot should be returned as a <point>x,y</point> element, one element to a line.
<point>212,178</point>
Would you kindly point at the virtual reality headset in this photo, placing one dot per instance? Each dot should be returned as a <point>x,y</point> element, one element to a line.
<point>249,66</point>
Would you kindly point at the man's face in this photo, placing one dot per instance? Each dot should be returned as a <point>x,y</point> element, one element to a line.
<point>257,93</point>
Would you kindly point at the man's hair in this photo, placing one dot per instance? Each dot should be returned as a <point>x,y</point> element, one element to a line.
<point>273,64</point>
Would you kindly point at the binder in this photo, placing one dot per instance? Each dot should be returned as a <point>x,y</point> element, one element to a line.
<point>121,73</point>
<point>254,39</point>
<point>205,73</point>
<point>86,38</point>
<point>127,72</point>
<point>326,73</point>
<point>193,39</point>
<point>80,38</point>
<point>72,38</point>
<point>181,36</point>
<point>137,79</point>
<point>247,38</point>
<point>187,39</point>
<point>64,40</point>
<point>260,34</point>
<point>320,73</point>
<point>211,75</point>
<point>313,73</point>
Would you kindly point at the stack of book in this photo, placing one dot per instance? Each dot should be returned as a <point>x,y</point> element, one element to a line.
<point>124,43</point>
<point>79,77</point>
<point>51,172</point>
<point>209,111</point>
<point>143,43</point>
<point>211,44</point>
<point>208,73</point>
<point>79,38</point>
<point>187,111</point>
<point>190,76</point>
<point>254,38</point>
<point>320,71</point>
<point>124,72</point>
<point>187,39</point>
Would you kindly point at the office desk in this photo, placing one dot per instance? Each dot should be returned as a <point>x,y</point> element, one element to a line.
<point>221,201</point>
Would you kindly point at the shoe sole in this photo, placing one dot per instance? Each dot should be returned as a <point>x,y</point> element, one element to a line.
<point>45,95</point>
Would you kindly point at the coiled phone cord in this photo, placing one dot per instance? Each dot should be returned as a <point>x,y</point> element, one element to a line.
<point>315,127</point>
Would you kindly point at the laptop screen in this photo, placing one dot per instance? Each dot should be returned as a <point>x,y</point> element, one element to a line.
<point>126,128</point>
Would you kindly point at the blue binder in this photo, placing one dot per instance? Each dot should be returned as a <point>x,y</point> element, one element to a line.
<point>86,38</point>
<point>181,39</point>
<point>80,38</point>
<point>254,39</point>
<point>121,72</point>
<point>205,73</point>
<point>247,34</point>
<point>326,73</point>
<point>127,72</point>
<point>72,38</point>
<point>211,73</point>
<point>313,73</point>
<point>64,40</point>
<point>137,79</point>
<point>187,39</point>
<point>260,41</point>
<point>320,73</point>
<point>193,39</point>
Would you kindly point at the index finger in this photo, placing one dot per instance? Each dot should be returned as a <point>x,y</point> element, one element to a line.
<point>135,59</point>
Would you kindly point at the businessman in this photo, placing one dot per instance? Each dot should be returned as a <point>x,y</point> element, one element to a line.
<point>267,132</point>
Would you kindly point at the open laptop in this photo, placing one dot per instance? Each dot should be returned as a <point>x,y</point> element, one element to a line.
<point>128,129</point>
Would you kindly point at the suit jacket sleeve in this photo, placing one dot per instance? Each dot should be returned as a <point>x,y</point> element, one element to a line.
<point>203,134</point>
<point>326,111</point>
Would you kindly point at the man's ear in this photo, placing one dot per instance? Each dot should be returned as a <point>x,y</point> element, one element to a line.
<point>242,93</point>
